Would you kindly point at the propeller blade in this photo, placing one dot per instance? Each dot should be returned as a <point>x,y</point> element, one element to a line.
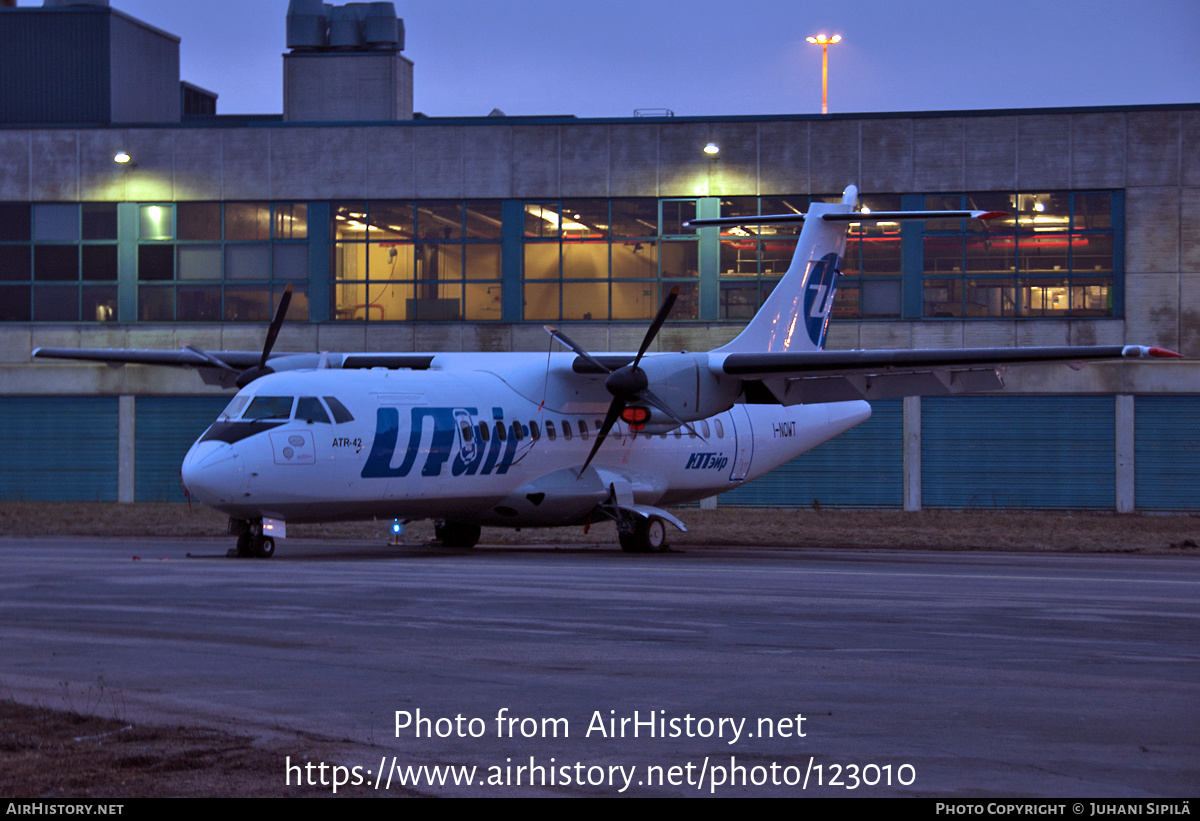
<point>657,324</point>
<point>614,412</point>
<point>570,343</point>
<point>276,324</point>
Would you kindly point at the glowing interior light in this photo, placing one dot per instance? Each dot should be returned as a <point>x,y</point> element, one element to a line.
<point>155,213</point>
<point>122,157</point>
<point>864,210</point>
<point>1037,206</point>
<point>712,148</point>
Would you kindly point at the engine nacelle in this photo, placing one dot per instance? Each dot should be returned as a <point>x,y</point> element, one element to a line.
<point>688,387</point>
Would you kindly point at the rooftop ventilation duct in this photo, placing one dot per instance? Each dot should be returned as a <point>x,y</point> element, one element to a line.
<point>381,29</point>
<point>306,26</point>
<point>345,26</point>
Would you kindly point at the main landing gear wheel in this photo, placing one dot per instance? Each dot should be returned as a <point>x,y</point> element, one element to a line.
<point>265,548</point>
<point>456,534</point>
<point>648,536</point>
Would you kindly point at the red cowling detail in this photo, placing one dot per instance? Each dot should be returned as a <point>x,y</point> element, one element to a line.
<point>1165,353</point>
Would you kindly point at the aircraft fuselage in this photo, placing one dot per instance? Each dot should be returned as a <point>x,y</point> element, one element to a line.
<point>464,443</point>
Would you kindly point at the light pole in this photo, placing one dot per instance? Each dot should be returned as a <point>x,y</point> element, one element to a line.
<point>824,42</point>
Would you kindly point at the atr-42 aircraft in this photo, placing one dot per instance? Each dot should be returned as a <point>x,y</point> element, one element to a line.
<point>532,440</point>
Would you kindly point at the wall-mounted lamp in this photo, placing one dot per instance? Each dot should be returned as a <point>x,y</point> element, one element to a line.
<point>122,157</point>
<point>712,149</point>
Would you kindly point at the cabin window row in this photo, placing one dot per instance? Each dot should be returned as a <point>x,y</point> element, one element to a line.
<point>552,431</point>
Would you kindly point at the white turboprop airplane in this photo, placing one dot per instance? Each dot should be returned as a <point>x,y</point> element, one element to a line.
<point>532,440</point>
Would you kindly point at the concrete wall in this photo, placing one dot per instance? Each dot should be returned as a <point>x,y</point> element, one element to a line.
<point>354,87</point>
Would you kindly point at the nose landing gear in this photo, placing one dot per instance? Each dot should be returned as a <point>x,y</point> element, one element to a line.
<point>251,543</point>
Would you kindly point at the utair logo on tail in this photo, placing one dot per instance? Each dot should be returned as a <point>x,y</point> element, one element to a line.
<point>522,440</point>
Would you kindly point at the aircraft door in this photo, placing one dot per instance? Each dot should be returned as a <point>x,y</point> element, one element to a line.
<point>743,444</point>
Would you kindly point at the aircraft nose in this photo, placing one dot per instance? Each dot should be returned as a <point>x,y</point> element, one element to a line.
<point>212,472</point>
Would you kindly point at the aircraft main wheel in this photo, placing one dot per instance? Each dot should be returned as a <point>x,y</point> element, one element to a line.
<point>265,548</point>
<point>648,536</point>
<point>653,534</point>
<point>457,534</point>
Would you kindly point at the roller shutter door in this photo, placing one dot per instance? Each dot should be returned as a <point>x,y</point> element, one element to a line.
<point>1018,452</point>
<point>1166,462</point>
<point>861,468</point>
<point>166,427</point>
<point>59,448</point>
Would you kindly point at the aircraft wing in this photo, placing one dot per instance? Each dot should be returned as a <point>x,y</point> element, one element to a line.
<point>831,376</point>
<point>184,357</point>
<point>215,368</point>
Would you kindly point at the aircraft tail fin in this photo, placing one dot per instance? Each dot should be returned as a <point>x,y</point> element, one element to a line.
<point>795,317</point>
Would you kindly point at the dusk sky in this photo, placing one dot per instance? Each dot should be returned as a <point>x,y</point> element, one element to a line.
<point>705,58</point>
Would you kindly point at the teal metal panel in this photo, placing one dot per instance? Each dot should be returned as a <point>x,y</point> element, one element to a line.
<point>864,467</point>
<point>1166,462</point>
<point>127,231</point>
<point>59,449</point>
<point>710,260</point>
<point>166,427</point>
<point>1018,452</point>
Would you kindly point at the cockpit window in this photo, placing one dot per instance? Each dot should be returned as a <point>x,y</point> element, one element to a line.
<point>340,414</point>
<point>269,407</point>
<point>309,409</point>
<point>234,409</point>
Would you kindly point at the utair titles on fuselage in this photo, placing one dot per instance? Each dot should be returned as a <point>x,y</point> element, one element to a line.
<point>568,438</point>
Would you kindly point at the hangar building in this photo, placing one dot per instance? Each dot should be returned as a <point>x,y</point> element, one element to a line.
<point>410,233</point>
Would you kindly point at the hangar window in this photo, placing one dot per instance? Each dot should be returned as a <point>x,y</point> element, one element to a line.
<point>1053,255</point>
<point>58,262</point>
<point>211,261</point>
<point>423,260</point>
<point>602,259</point>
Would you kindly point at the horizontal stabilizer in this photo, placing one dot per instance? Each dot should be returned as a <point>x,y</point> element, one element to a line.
<point>853,216</point>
